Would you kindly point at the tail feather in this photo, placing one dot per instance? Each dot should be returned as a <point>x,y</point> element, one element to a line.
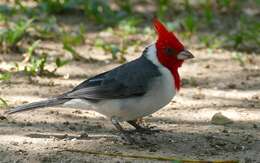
<point>36,105</point>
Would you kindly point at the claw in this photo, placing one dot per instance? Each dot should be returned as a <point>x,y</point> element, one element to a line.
<point>142,129</point>
<point>125,134</point>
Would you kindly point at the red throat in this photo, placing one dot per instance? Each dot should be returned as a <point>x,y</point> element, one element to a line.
<point>177,80</point>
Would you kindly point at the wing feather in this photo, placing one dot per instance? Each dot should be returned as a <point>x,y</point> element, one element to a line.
<point>130,79</point>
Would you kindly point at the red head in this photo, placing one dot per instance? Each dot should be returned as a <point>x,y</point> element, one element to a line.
<point>170,51</point>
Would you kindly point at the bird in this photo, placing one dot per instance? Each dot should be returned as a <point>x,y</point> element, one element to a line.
<point>132,90</point>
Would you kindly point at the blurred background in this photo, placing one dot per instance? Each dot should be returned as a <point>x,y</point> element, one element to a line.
<point>228,24</point>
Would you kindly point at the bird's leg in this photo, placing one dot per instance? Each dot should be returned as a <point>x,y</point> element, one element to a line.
<point>126,135</point>
<point>140,128</point>
<point>135,124</point>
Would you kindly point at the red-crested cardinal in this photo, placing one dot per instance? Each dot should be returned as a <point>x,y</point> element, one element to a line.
<point>132,90</point>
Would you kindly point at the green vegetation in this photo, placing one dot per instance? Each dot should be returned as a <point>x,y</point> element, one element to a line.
<point>233,25</point>
<point>75,55</point>
<point>36,66</point>
<point>3,103</point>
<point>11,36</point>
<point>6,76</point>
<point>239,57</point>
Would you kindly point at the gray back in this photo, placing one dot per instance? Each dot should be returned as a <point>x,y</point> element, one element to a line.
<point>127,80</point>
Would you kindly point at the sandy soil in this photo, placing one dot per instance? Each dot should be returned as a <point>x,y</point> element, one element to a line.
<point>212,82</point>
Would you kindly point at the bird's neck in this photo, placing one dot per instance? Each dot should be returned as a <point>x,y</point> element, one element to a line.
<point>150,53</point>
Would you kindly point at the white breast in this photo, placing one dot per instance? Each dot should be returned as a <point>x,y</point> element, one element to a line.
<point>161,92</point>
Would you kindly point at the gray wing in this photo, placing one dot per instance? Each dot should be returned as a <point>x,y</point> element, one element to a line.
<point>130,79</point>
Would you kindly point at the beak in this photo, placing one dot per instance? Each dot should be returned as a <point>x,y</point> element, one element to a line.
<point>185,54</point>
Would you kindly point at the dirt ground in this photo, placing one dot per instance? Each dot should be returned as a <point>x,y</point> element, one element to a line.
<point>212,82</point>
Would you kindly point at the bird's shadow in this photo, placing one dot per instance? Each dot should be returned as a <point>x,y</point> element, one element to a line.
<point>81,129</point>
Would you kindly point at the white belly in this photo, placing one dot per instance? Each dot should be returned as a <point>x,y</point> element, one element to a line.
<point>160,94</point>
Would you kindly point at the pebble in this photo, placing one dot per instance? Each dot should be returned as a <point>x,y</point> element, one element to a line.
<point>14,143</point>
<point>152,150</point>
<point>2,117</point>
<point>83,135</point>
<point>220,119</point>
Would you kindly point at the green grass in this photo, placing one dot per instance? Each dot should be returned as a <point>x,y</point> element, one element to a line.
<point>75,55</point>
<point>117,51</point>
<point>10,36</point>
<point>47,28</point>
<point>36,62</point>
<point>3,103</point>
<point>5,76</point>
<point>36,66</point>
<point>239,57</point>
<point>74,38</point>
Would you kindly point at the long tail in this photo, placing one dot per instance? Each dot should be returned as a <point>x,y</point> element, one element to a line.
<point>37,105</point>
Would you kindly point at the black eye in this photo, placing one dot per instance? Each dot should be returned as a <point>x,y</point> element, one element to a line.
<point>169,51</point>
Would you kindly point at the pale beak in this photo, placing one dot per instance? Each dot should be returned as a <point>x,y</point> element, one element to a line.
<point>185,54</point>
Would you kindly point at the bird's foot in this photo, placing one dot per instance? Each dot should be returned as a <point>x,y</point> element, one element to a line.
<point>125,134</point>
<point>142,128</point>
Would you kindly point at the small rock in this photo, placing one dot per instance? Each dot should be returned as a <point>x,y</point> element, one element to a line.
<point>99,126</point>
<point>221,143</point>
<point>14,143</point>
<point>26,142</point>
<point>66,123</point>
<point>28,124</point>
<point>51,83</point>
<point>255,97</point>
<point>220,119</point>
<point>83,135</point>
<point>225,131</point>
<point>232,86</point>
<point>198,96</point>
<point>2,117</point>
<point>152,150</point>
<point>77,112</point>
<point>254,126</point>
<point>207,66</point>
<point>54,112</point>
<point>64,136</point>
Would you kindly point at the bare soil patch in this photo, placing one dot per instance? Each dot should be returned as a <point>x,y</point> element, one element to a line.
<point>211,83</point>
